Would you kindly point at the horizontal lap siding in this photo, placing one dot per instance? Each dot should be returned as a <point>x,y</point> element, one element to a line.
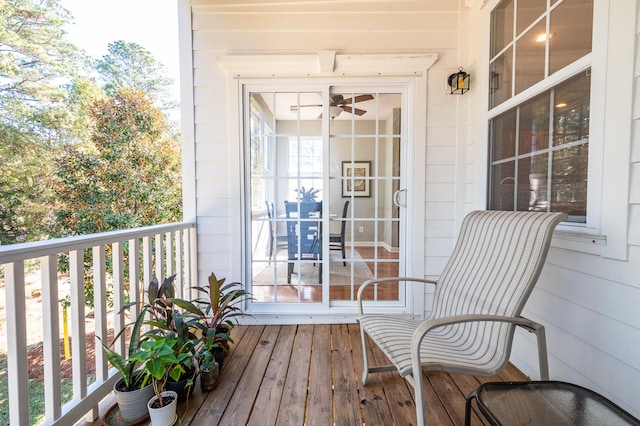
<point>264,27</point>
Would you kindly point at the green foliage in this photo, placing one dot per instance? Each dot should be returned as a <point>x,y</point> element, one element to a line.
<point>129,65</point>
<point>134,177</point>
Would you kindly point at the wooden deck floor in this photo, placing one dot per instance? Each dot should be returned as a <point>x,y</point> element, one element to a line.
<point>310,374</point>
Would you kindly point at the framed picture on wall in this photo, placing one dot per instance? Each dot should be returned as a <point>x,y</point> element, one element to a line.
<point>354,180</point>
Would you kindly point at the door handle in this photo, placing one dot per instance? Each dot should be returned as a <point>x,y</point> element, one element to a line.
<point>396,197</point>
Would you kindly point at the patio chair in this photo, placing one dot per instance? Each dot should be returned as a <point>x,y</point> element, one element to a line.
<point>477,303</point>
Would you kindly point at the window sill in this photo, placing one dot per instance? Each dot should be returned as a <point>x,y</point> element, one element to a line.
<point>579,240</point>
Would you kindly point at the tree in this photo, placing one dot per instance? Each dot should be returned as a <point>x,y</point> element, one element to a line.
<point>34,59</point>
<point>130,65</point>
<point>134,177</point>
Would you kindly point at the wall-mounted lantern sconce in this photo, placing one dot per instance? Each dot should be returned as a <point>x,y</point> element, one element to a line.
<point>459,82</point>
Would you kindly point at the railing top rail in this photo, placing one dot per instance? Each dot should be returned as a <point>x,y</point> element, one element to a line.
<point>31,250</point>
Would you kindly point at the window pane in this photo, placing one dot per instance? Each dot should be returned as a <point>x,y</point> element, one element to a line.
<point>500,78</point>
<point>530,57</point>
<point>534,124</point>
<point>503,136</point>
<point>571,29</point>
<point>569,187</point>
<point>501,26</point>
<point>532,183</point>
<point>502,189</point>
<point>528,12</point>
<point>571,120</point>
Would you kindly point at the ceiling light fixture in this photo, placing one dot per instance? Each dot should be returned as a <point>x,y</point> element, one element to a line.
<point>543,37</point>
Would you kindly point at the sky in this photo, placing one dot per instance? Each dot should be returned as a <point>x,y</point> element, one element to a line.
<point>153,24</point>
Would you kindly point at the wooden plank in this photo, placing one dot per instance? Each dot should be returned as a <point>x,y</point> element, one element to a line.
<point>435,413</point>
<point>346,409</point>
<point>247,389</point>
<point>265,410</point>
<point>396,389</point>
<point>373,402</point>
<point>216,403</point>
<point>450,396</point>
<point>294,397</point>
<point>467,384</point>
<point>319,400</point>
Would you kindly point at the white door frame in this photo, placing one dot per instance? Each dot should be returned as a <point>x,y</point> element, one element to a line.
<point>340,70</point>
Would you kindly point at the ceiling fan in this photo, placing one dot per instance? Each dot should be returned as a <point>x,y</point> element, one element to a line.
<point>338,103</point>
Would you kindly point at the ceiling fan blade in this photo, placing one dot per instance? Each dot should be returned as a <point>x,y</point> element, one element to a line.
<point>356,111</point>
<point>359,98</point>
<point>294,108</point>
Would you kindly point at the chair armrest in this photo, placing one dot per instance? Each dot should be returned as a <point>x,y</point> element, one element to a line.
<point>426,326</point>
<point>387,280</point>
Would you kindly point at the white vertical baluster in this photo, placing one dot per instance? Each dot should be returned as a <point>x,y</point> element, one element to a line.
<point>117,254</point>
<point>78,350</point>
<point>17,370</point>
<point>159,258</point>
<point>51,337</point>
<point>180,278</point>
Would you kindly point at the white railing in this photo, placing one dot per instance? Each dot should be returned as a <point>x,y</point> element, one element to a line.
<point>155,251</point>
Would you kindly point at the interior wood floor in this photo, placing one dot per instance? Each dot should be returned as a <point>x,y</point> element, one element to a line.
<point>313,293</point>
<point>311,374</point>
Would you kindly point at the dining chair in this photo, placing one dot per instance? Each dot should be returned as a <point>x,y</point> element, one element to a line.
<point>303,234</point>
<point>276,241</point>
<point>337,241</point>
<point>476,306</point>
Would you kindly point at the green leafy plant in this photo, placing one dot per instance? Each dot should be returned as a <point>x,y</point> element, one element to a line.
<point>126,366</point>
<point>161,362</point>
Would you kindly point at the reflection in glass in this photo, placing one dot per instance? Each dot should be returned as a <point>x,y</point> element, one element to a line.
<point>571,33</point>
<point>502,189</point>
<point>528,12</point>
<point>530,57</point>
<point>534,124</point>
<point>500,78</point>
<point>503,135</point>
<point>501,26</point>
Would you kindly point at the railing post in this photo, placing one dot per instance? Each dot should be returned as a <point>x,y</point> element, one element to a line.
<point>51,337</point>
<point>17,370</point>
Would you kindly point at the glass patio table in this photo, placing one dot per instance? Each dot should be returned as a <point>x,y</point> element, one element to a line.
<point>545,403</point>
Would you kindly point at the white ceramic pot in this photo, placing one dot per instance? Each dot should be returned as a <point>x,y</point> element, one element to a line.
<point>163,416</point>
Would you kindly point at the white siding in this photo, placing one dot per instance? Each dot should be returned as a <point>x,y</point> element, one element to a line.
<point>588,303</point>
<point>260,27</point>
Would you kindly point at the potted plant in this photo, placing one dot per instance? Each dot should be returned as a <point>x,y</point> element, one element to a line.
<point>209,367</point>
<point>217,313</point>
<point>306,195</point>
<point>167,321</point>
<point>161,363</point>
<point>130,391</point>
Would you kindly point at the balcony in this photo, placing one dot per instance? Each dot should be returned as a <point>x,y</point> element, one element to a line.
<point>292,374</point>
<point>122,263</point>
<point>310,374</point>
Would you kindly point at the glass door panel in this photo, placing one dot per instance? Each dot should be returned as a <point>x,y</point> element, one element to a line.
<point>285,233</point>
<point>364,150</point>
<point>322,170</point>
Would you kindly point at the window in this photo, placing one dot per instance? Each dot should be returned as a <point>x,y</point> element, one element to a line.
<point>305,164</point>
<point>539,136</point>
<point>261,133</point>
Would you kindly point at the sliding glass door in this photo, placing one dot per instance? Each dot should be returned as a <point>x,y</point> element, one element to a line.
<point>324,173</point>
